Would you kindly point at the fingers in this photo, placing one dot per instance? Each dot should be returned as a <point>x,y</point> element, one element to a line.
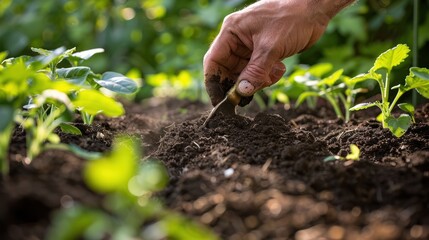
<point>263,69</point>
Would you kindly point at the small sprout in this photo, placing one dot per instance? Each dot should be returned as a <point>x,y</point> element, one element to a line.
<point>353,155</point>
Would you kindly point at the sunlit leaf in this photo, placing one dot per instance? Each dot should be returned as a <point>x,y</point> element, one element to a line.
<point>87,54</point>
<point>354,153</point>
<point>320,69</point>
<point>391,58</point>
<point>113,171</point>
<point>332,79</point>
<point>94,102</point>
<point>418,79</point>
<point>366,76</point>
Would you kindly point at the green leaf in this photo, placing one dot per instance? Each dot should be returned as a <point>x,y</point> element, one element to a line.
<point>366,76</point>
<point>304,96</point>
<point>332,79</point>
<point>408,108</point>
<point>7,114</point>
<point>398,126</point>
<point>53,56</point>
<point>112,172</point>
<point>75,75</point>
<point>70,129</point>
<point>320,69</point>
<point>418,78</point>
<point>354,153</point>
<point>94,102</point>
<point>117,82</point>
<point>87,54</point>
<point>362,106</point>
<point>391,58</point>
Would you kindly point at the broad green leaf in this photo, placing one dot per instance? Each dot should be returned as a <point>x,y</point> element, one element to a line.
<point>112,172</point>
<point>362,106</point>
<point>304,96</point>
<point>57,96</point>
<point>391,58</point>
<point>354,153</point>
<point>94,102</point>
<point>70,129</point>
<point>117,82</point>
<point>87,54</point>
<point>398,126</point>
<point>75,75</point>
<point>7,114</point>
<point>418,79</point>
<point>332,79</point>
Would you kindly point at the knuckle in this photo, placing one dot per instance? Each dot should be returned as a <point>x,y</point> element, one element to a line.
<point>256,71</point>
<point>231,19</point>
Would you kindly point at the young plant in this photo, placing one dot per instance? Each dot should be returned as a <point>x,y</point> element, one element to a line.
<point>418,79</point>
<point>41,97</point>
<point>353,155</point>
<point>90,101</point>
<point>337,89</point>
<point>129,209</point>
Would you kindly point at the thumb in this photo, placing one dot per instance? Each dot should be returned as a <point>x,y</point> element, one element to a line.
<point>256,74</point>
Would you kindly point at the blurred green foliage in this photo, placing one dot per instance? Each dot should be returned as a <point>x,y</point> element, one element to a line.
<point>149,37</point>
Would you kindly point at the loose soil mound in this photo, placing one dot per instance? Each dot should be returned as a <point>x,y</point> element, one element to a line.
<point>258,177</point>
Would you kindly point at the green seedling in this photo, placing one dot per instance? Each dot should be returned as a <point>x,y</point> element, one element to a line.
<point>353,155</point>
<point>418,79</point>
<point>129,209</point>
<point>41,97</point>
<point>336,89</point>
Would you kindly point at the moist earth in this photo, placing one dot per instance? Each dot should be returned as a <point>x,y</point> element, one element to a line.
<point>259,175</point>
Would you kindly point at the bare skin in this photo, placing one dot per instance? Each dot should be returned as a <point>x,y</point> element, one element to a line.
<point>252,43</point>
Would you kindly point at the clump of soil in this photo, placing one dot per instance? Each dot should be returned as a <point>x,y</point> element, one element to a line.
<point>254,176</point>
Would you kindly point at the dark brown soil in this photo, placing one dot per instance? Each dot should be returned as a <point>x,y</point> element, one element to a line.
<point>259,176</point>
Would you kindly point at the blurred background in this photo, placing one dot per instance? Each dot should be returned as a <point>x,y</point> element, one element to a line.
<point>163,42</point>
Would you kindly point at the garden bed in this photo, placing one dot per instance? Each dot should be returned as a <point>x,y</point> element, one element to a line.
<point>257,176</point>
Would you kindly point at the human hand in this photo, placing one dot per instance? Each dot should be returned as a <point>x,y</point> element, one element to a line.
<point>252,43</point>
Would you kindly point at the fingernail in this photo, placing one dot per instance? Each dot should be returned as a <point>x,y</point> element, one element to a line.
<point>245,88</point>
